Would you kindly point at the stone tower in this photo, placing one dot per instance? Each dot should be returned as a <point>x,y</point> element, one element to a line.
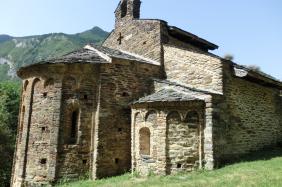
<point>127,9</point>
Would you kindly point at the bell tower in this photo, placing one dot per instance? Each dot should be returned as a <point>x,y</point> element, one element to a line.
<point>128,10</point>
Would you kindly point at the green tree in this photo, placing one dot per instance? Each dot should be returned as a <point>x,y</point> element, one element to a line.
<point>9,107</point>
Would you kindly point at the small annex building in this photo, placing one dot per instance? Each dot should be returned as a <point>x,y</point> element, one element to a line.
<point>152,98</point>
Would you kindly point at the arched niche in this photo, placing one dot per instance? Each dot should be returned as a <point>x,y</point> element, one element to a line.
<point>138,118</point>
<point>151,117</point>
<point>144,141</point>
<point>49,83</point>
<point>25,85</point>
<point>70,83</point>
<point>192,119</point>
<point>173,118</point>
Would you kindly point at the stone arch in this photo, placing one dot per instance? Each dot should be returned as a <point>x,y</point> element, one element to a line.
<point>173,117</point>
<point>36,84</point>
<point>25,84</point>
<point>70,83</point>
<point>192,118</point>
<point>138,118</point>
<point>37,88</point>
<point>144,141</point>
<point>151,117</point>
<point>49,83</point>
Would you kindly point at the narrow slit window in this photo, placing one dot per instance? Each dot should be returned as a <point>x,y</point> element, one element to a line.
<point>74,125</point>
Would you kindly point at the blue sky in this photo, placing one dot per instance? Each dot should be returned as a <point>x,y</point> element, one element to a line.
<point>251,30</point>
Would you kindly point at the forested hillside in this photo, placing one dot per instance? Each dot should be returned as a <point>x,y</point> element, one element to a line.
<point>19,51</point>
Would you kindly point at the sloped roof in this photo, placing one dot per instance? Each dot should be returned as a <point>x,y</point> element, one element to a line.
<point>186,87</point>
<point>94,54</point>
<point>79,56</point>
<point>166,95</point>
<point>191,38</point>
<point>120,54</point>
<point>186,36</point>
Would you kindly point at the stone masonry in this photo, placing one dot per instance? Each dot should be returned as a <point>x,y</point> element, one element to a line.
<point>151,99</point>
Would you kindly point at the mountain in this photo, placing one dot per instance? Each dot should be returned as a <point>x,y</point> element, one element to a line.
<point>16,52</point>
<point>4,38</point>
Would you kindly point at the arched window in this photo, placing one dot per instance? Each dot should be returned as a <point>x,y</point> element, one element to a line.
<point>123,8</point>
<point>144,141</point>
<point>74,127</point>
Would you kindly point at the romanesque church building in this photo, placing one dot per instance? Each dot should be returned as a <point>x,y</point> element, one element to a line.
<point>152,98</point>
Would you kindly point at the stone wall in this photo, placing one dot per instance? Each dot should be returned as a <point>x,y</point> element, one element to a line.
<point>36,153</point>
<point>250,118</point>
<point>142,37</point>
<point>120,83</point>
<point>193,68</point>
<point>79,98</point>
<point>176,137</point>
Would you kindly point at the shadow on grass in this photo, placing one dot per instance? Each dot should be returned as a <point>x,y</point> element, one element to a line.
<point>266,153</point>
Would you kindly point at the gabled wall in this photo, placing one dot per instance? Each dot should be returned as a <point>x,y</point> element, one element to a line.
<point>193,67</point>
<point>142,37</point>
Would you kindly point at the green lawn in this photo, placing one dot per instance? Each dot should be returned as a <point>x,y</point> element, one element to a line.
<point>265,171</point>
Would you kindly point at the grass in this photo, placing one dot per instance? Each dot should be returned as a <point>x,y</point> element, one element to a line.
<point>258,170</point>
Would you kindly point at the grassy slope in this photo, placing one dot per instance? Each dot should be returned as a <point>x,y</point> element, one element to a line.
<point>266,172</point>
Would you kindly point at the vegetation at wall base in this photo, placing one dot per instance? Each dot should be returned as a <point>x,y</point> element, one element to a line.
<point>9,108</point>
<point>262,169</point>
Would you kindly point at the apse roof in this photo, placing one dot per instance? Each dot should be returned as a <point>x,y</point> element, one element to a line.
<point>166,95</point>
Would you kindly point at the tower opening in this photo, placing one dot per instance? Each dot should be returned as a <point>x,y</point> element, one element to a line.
<point>123,8</point>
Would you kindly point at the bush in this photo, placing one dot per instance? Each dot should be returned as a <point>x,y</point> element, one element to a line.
<point>9,107</point>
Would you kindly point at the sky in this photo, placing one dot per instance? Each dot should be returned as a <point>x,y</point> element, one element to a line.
<point>250,30</point>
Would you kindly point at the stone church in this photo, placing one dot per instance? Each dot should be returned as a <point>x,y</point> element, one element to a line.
<point>152,98</point>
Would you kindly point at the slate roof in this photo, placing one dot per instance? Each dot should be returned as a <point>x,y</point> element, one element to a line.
<point>186,87</point>
<point>166,95</point>
<point>191,38</point>
<point>256,71</point>
<point>113,53</point>
<point>94,54</point>
<point>79,56</point>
